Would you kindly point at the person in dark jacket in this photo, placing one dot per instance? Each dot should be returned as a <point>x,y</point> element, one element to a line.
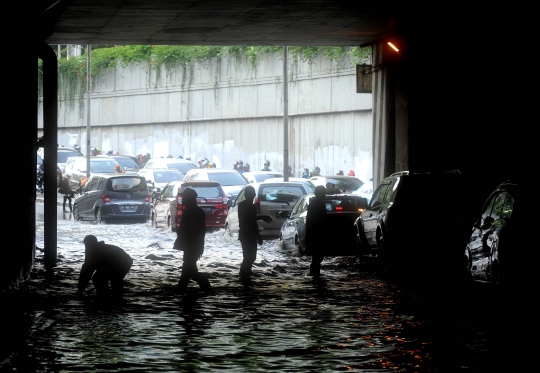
<point>190,239</point>
<point>65,190</point>
<point>315,230</point>
<point>104,264</point>
<point>249,234</point>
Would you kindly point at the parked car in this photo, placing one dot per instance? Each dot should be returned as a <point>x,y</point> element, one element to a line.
<point>129,163</point>
<point>271,198</point>
<point>181,165</point>
<point>62,154</point>
<point>230,180</point>
<point>342,211</point>
<point>414,222</point>
<point>347,184</point>
<point>118,197</point>
<point>158,178</point>
<point>365,190</point>
<point>494,231</point>
<point>75,168</point>
<point>260,176</point>
<point>167,207</point>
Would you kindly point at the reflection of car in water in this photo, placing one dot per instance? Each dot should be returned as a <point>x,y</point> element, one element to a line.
<point>494,231</point>
<point>342,210</point>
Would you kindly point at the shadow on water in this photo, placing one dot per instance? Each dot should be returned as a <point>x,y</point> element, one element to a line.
<point>355,317</point>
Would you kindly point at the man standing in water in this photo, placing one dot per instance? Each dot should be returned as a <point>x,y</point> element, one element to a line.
<point>315,230</point>
<point>190,240</point>
<point>103,264</point>
<point>249,234</point>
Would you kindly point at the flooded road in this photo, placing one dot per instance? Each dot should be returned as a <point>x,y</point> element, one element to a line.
<point>353,319</point>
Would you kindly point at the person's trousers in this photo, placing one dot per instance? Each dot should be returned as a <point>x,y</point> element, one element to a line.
<point>315,267</point>
<point>249,252</point>
<point>101,280</point>
<point>67,199</point>
<point>191,272</point>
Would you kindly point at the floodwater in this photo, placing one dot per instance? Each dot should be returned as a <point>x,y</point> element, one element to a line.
<point>352,320</point>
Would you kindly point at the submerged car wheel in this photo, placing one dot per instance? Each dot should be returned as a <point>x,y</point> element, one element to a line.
<point>76,215</point>
<point>228,230</point>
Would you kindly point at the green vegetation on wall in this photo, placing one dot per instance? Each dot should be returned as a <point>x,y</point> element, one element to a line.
<point>72,72</point>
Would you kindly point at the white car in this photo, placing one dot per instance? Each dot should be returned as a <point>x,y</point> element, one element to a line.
<point>181,165</point>
<point>259,176</point>
<point>365,191</point>
<point>156,179</point>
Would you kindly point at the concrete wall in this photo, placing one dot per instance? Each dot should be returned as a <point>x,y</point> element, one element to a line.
<point>226,110</point>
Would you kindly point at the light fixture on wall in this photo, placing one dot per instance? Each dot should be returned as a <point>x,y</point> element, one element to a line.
<point>393,46</point>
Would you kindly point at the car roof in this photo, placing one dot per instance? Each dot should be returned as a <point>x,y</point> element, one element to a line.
<point>214,170</point>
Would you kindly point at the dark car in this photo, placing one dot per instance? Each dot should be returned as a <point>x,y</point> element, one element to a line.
<point>167,207</point>
<point>342,211</point>
<point>271,199</point>
<point>119,197</point>
<point>39,161</point>
<point>494,232</point>
<point>129,163</point>
<point>414,222</point>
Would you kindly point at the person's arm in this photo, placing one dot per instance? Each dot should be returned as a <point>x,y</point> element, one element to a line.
<point>84,278</point>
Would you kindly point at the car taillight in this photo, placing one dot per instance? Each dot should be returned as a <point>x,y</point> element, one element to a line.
<point>339,208</point>
<point>257,204</point>
<point>105,198</point>
<point>148,198</point>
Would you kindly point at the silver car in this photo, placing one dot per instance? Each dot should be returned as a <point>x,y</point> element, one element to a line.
<point>271,199</point>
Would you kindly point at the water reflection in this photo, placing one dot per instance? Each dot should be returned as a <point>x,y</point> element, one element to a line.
<point>353,319</point>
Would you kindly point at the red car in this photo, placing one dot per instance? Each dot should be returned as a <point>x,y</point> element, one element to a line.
<point>167,208</point>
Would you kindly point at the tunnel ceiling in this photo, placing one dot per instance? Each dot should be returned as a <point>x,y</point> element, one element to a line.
<point>215,22</point>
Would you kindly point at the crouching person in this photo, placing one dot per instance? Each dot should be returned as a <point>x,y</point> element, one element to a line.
<point>106,265</point>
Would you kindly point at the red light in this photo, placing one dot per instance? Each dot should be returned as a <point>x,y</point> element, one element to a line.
<point>339,208</point>
<point>257,204</point>
<point>148,197</point>
<point>105,198</point>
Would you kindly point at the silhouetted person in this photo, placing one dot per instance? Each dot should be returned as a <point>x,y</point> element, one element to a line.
<point>40,176</point>
<point>332,189</point>
<point>65,191</point>
<point>190,239</point>
<point>315,230</point>
<point>105,265</point>
<point>249,234</point>
<point>266,166</point>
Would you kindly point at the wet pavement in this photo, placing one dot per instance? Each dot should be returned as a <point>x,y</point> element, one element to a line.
<point>355,318</point>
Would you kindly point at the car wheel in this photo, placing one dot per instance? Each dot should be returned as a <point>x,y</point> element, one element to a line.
<point>228,230</point>
<point>153,219</point>
<point>297,246</point>
<point>382,255</point>
<point>76,215</point>
<point>99,217</point>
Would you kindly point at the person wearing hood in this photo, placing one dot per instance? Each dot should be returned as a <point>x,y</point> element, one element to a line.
<point>106,265</point>
<point>190,240</point>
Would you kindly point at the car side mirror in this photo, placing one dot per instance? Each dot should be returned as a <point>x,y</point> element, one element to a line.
<point>487,222</point>
<point>376,204</point>
<point>78,190</point>
<point>229,203</point>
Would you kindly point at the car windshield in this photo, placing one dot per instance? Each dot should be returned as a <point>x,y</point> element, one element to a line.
<point>262,177</point>
<point>227,178</point>
<point>341,205</point>
<point>182,167</point>
<point>280,193</point>
<point>127,184</point>
<point>103,166</point>
<point>127,162</point>
<point>349,184</point>
<point>167,176</point>
<point>63,155</point>
<point>206,191</point>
